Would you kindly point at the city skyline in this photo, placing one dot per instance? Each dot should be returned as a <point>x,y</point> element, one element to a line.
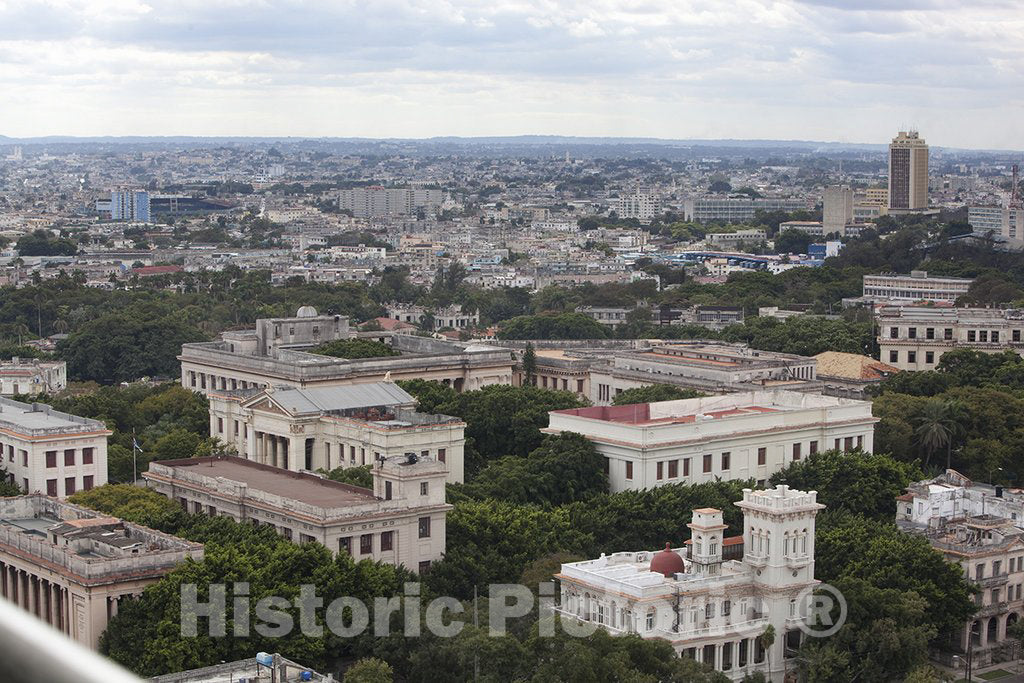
<point>787,71</point>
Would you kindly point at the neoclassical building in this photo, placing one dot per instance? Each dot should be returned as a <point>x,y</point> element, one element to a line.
<point>70,566</point>
<point>277,353</point>
<point>979,527</point>
<point>709,608</point>
<point>400,521</point>
<point>329,427</point>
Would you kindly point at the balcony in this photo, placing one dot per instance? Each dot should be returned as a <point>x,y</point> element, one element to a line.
<point>993,609</point>
<point>755,560</point>
<point>992,581</point>
<point>797,562</point>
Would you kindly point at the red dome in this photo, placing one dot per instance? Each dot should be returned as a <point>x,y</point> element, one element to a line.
<point>667,562</point>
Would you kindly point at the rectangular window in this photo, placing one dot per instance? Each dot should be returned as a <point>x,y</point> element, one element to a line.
<point>971,335</point>
<point>995,336</point>
<point>424,454</point>
<point>911,356</point>
<point>387,490</point>
<point>51,487</point>
<point>894,356</point>
<point>442,454</point>
<point>387,540</point>
<point>87,482</point>
<point>860,441</point>
<point>424,527</point>
<point>686,467</point>
<point>69,486</point>
<point>24,460</point>
<point>983,335</point>
<point>929,357</point>
<point>673,469</point>
<point>366,544</point>
<point>912,333</point>
<point>69,457</point>
<point>661,470</point>
<point>848,443</point>
<point>1016,335</point>
<point>762,456</point>
<point>236,426</point>
<point>726,608</point>
<point>87,454</point>
<point>51,459</point>
<point>814,448</point>
<point>707,463</point>
<point>796,451</point>
<point>629,470</point>
<point>929,333</point>
<point>345,545</point>
<point>894,333</point>
<point>424,566</point>
<point>947,333</point>
<point>424,487</point>
<point>725,460</point>
<point>220,425</point>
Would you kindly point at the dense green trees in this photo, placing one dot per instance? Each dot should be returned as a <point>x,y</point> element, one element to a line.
<point>42,243</point>
<point>357,476</point>
<point>553,326</point>
<point>654,393</point>
<point>355,348</point>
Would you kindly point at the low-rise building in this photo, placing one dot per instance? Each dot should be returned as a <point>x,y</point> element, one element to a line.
<point>31,376</point>
<point>916,337</point>
<point>278,353</point>
<point>749,435</point>
<point>731,239</point>
<point>70,566</point>
<point>262,668</point>
<point>448,316</point>
<point>978,527</point>
<point>322,428</point>
<point>401,521</point>
<point>46,451</point>
<point>850,374</point>
<point>710,608</point>
<point>918,286</point>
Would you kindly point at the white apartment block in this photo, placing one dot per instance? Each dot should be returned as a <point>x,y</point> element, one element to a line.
<point>837,209</point>
<point>812,228</point>
<point>449,316</point>
<point>1007,221</point>
<point>375,201</point>
<point>978,527</point>
<point>71,566</point>
<point>748,435</point>
<point>731,239</point>
<point>915,337</point>
<point>737,209</point>
<point>323,428</point>
<point>30,376</point>
<point>710,608</point>
<point>46,451</point>
<point>643,207</point>
<point>400,522</point>
<point>918,286</point>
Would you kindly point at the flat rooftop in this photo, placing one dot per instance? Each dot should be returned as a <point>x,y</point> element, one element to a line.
<point>304,488</point>
<point>641,414</point>
<point>38,417</point>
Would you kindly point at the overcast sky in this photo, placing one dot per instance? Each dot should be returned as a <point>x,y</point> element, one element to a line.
<point>842,70</point>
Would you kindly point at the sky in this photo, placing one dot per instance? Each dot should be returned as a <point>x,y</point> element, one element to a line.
<point>830,70</point>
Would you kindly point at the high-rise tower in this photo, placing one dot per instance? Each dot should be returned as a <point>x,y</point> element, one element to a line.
<point>908,172</point>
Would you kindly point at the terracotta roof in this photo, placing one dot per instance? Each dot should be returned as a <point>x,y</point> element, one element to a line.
<point>389,324</point>
<point>852,366</point>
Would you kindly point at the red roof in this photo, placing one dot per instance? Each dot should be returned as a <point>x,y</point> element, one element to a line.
<point>156,270</point>
<point>390,324</point>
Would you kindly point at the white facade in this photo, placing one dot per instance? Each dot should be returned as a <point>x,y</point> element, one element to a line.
<point>731,239</point>
<point>915,337</point>
<point>369,202</point>
<point>917,286</point>
<point>837,209</point>
<point>330,427</point>
<point>30,376</point>
<point>47,451</point>
<point>643,207</point>
<point>748,435</point>
<point>400,522</point>
<point>711,609</point>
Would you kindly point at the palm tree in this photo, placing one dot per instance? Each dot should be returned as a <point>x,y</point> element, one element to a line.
<point>767,640</point>
<point>938,423</point>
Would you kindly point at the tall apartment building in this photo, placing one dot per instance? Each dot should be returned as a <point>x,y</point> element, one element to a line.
<point>375,201</point>
<point>329,427</point>
<point>31,376</point>
<point>908,172</point>
<point>747,435</point>
<point>837,209</point>
<point>129,205</point>
<point>978,527</point>
<point>400,521</point>
<point>915,337</point>
<point>917,286</point>
<point>70,566</point>
<point>47,451</point>
<point>710,607</point>
<point>1007,221</point>
<point>643,207</point>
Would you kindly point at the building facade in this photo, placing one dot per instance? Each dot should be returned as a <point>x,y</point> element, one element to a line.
<point>738,209</point>
<point>70,566</point>
<point>401,521</point>
<point>448,316</point>
<point>129,205</point>
<point>977,527</point>
<point>915,337</point>
<point>917,286</point>
<point>709,608</point>
<point>747,435</point>
<point>329,427</point>
<point>837,209</point>
<point>908,172</point>
<point>47,451</point>
<point>643,207</point>
<point>376,201</point>
<point>31,376</point>
<point>277,353</point>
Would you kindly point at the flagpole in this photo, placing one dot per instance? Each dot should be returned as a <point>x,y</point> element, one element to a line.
<point>135,450</point>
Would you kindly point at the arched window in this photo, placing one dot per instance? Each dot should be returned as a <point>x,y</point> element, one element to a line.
<point>803,543</point>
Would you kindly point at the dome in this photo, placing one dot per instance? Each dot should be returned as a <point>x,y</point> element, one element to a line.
<point>306,312</point>
<point>667,562</point>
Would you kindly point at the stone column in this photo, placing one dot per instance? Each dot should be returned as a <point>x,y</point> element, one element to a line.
<point>51,612</point>
<point>3,579</point>
<point>31,602</point>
